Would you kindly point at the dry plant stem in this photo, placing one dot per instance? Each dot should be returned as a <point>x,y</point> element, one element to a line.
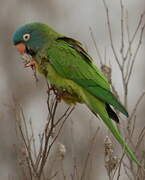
<point>92,142</point>
<point>75,175</point>
<point>122,29</point>
<point>125,78</point>
<point>110,34</point>
<point>47,147</point>
<point>25,140</point>
<point>127,173</point>
<point>125,61</point>
<point>135,34</point>
<point>120,163</point>
<point>60,129</point>
<point>140,138</point>
<point>135,109</point>
<point>96,47</point>
<point>62,170</point>
<point>25,124</point>
<point>52,177</point>
<point>33,139</point>
<point>36,160</point>
<point>118,167</point>
<point>135,54</point>
<point>131,41</point>
<point>29,168</point>
<point>46,136</point>
<point>129,51</point>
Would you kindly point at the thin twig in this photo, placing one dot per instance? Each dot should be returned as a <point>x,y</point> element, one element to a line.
<point>89,154</point>
<point>110,35</point>
<point>135,54</point>
<point>122,29</point>
<point>96,47</point>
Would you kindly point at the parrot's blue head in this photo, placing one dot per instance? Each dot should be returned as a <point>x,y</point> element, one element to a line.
<point>31,38</point>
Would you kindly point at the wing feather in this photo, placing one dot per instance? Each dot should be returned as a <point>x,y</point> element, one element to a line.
<point>69,63</point>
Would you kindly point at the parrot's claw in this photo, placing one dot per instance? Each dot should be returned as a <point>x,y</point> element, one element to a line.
<point>55,91</point>
<point>51,88</point>
<point>31,64</point>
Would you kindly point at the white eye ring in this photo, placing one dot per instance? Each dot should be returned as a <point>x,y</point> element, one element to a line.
<point>26,37</point>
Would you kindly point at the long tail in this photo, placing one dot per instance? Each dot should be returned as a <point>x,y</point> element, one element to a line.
<point>119,138</point>
<point>98,107</point>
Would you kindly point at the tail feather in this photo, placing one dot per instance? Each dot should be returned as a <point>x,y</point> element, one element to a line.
<point>119,138</point>
<point>99,107</point>
<point>111,113</point>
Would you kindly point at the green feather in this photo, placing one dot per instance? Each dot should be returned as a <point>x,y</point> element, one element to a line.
<point>70,64</point>
<point>98,107</point>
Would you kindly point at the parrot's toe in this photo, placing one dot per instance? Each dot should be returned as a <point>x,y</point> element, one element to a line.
<point>31,64</point>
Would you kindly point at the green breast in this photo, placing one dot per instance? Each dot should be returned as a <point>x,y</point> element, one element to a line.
<point>64,85</point>
<point>53,77</point>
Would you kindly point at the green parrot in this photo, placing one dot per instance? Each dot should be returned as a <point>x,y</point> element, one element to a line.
<point>70,69</point>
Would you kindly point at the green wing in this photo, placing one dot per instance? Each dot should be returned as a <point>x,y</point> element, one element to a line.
<point>73,63</point>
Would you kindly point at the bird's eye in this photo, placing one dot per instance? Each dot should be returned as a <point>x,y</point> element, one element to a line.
<point>26,37</point>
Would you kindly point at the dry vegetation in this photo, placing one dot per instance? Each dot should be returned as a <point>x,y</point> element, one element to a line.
<point>33,162</point>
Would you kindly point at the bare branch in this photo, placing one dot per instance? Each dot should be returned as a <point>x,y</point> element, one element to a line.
<point>135,54</point>
<point>122,29</point>
<point>96,47</point>
<point>110,35</point>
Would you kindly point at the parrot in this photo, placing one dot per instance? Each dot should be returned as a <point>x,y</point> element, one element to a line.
<point>69,68</point>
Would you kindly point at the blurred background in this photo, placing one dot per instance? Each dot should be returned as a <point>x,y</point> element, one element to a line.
<point>72,18</point>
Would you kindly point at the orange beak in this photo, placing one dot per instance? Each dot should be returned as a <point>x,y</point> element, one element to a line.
<point>21,48</point>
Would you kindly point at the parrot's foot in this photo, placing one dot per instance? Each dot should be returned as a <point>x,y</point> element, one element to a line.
<point>56,92</point>
<point>31,64</point>
<point>58,95</point>
<point>51,88</point>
